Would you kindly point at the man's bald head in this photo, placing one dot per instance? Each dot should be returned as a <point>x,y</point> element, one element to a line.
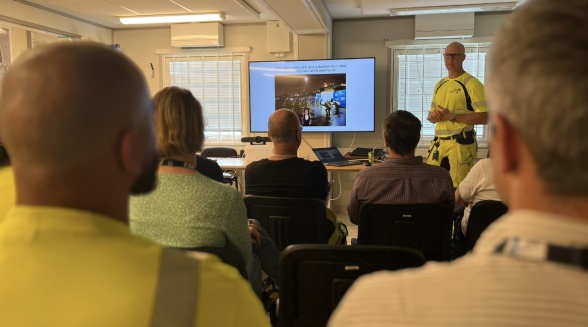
<point>455,47</point>
<point>283,125</point>
<point>68,103</point>
<point>77,120</point>
<point>453,57</point>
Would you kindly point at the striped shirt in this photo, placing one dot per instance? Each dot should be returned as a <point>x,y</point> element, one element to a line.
<point>400,181</point>
<point>484,288</point>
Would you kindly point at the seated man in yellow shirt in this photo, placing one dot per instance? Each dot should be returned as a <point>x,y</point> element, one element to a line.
<point>77,120</point>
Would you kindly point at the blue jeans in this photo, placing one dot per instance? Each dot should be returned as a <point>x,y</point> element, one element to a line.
<point>266,257</point>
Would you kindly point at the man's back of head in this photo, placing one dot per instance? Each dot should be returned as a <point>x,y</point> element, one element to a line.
<point>537,86</point>
<point>402,132</point>
<point>283,125</point>
<point>77,118</point>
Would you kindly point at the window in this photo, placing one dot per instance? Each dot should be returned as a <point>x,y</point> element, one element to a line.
<point>416,70</point>
<point>215,79</point>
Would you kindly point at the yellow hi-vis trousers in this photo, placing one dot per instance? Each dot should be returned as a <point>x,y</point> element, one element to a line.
<point>461,157</point>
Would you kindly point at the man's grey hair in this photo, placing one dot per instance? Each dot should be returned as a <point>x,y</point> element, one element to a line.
<point>282,124</point>
<point>539,79</point>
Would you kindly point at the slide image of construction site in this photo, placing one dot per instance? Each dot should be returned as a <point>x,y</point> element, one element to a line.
<point>317,99</point>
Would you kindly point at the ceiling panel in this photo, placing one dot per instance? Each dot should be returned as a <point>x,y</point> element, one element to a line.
<point>342,9</point>
<point>297,14</point>
<point>107,12</point>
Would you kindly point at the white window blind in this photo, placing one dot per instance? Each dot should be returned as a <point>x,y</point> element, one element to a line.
<point>215,79</point>
<point>418,69</point>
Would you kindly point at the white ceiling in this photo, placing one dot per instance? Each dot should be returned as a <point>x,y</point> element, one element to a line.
<point>302,16</point>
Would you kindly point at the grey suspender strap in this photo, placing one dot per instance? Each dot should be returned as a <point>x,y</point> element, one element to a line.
<point>177,290</point>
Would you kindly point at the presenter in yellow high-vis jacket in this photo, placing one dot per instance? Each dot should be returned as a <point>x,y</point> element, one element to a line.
<point>458,104</point>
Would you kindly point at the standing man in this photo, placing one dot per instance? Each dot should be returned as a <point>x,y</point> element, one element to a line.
<point>77,120</point>
<point>458,104</point>
<point>529,268</point>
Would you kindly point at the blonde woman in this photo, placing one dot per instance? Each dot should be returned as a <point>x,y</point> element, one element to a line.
<point>188,209</point>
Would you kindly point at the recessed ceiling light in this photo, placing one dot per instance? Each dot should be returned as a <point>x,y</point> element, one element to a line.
<point>498,6</point>
<point>167,19</point>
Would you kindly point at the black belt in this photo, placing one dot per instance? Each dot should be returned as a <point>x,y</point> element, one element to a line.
<point>453,137</point>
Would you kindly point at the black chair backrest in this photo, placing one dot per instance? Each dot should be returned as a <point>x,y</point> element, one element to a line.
<point>226,254</point>
<point>314,278</point>
<point>482,214</point>
<point>425,227</point>
<point>219,152</point>
<point>290,220</point>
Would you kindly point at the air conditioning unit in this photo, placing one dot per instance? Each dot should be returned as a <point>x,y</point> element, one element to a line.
<point>197,35</point>
<point>443,26</point>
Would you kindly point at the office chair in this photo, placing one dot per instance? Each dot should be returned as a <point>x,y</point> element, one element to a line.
<point>227,255</point>
<point>231,257</point>
<point>425,227</point>
<point>482,214</point>
<point>290,220</point>
<point>230,176</point>
<point>315,277</point>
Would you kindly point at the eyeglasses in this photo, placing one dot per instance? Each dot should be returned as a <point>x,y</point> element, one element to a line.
<point>452,55</point>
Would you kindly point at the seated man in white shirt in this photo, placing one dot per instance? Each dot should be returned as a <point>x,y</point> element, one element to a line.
<point>477,186</point>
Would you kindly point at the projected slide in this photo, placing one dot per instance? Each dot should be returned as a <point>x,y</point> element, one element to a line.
<point>327,95</point>
<point>318,99</point>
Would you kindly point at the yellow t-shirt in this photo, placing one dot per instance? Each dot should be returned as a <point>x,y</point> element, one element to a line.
<point>7,190</point>
<point>449,94</point>
<point>64,267</point>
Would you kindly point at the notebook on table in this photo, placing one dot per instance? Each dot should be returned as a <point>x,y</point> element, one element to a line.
<point>332,156</point>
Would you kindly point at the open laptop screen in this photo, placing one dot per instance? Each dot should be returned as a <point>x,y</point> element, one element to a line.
<point>328,155</point>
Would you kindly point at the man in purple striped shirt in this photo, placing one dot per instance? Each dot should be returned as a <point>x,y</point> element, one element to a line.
<point>403,178</point>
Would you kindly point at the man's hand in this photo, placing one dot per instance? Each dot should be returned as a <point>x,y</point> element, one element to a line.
<point>254,231</point>
<point>441,114</point>
<point>444,113</point>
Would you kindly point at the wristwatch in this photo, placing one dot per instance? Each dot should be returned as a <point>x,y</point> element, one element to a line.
<point>453,120</point>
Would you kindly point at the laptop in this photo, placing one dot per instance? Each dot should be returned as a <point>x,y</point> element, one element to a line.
<point>331,156</point>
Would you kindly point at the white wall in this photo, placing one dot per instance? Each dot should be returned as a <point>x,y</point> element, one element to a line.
<point>366,38</point>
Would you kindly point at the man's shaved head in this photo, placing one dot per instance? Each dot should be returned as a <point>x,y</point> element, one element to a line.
<point>76,101</point>
<point>77,111</point>
<point>282,124</point>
